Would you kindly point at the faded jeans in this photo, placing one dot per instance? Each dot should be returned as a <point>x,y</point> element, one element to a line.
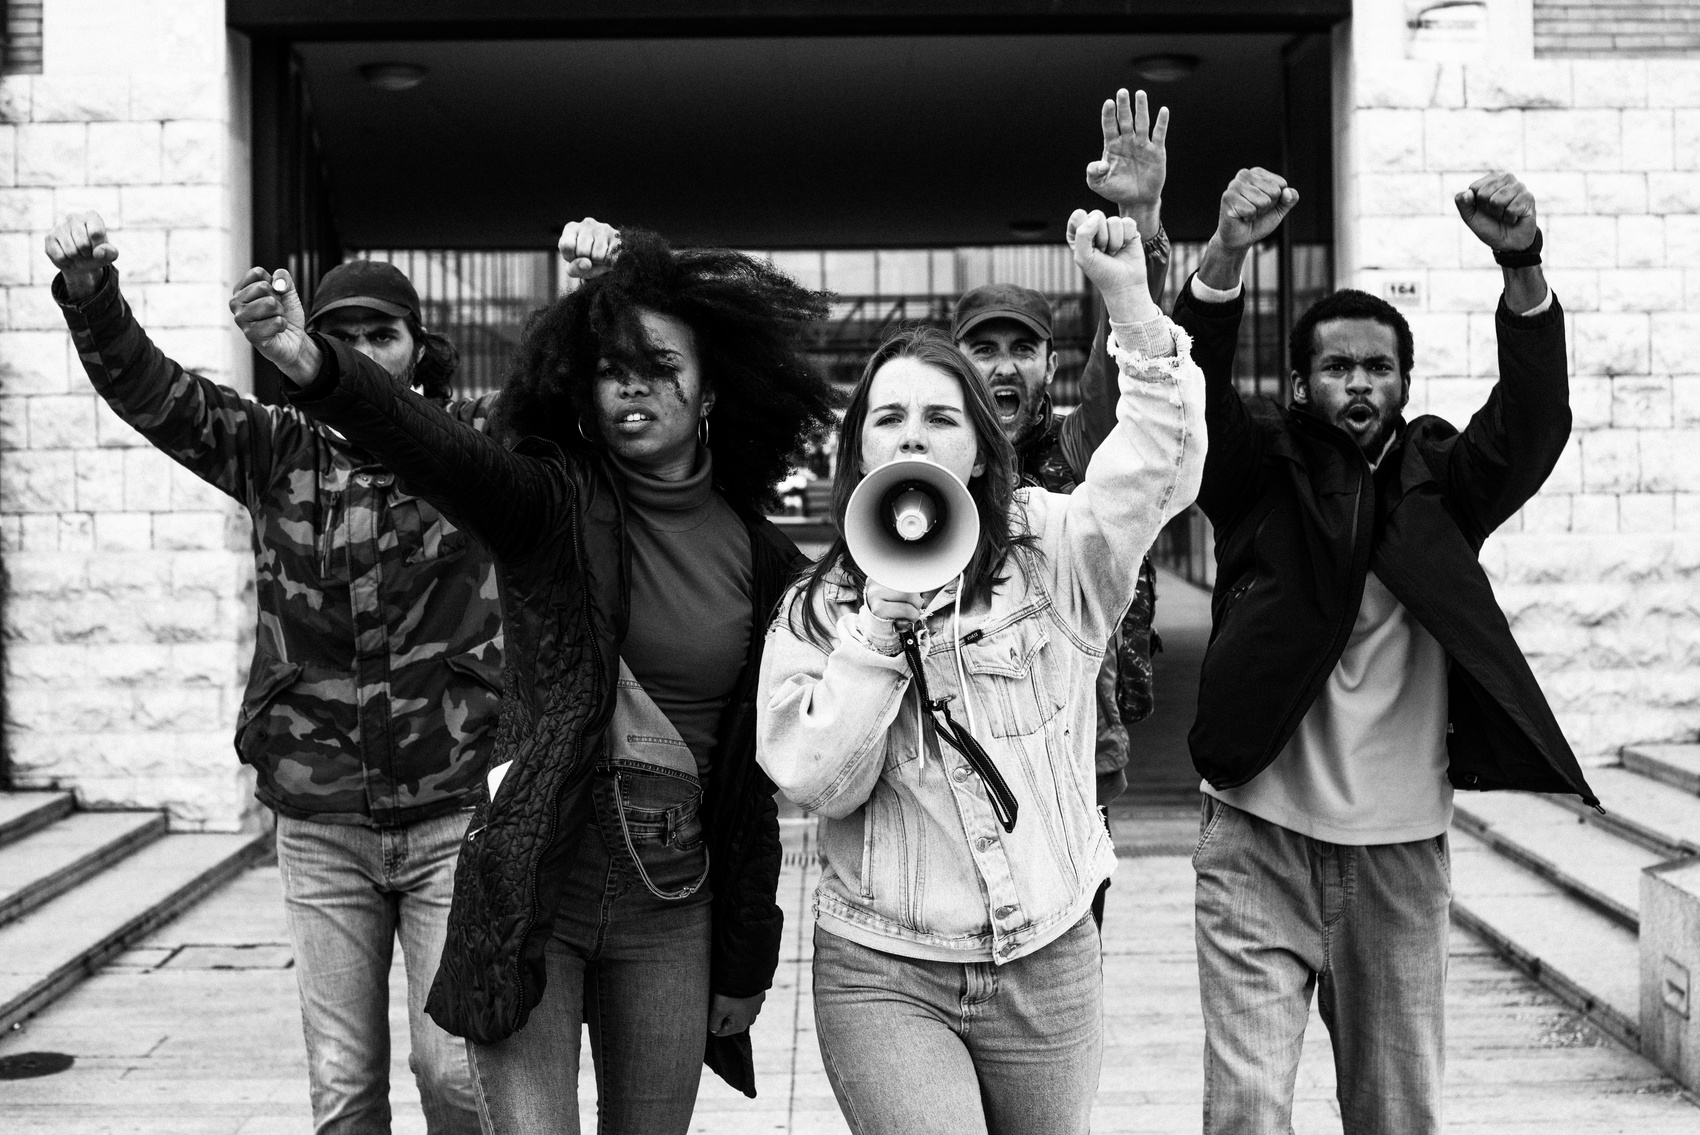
<point>632,966</point>
<point>1279,915</point>
<point>349,892</point>
<point>914,1047</point>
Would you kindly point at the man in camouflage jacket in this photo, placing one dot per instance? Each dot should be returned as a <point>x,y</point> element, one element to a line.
<point>372,701</point>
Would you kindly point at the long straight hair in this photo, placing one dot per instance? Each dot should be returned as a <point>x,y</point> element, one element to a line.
<point>993,490</point>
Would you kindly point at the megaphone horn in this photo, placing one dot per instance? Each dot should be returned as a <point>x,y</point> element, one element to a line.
<point>911,525</point>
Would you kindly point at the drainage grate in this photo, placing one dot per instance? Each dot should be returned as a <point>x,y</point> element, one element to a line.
<point>29,1065</point>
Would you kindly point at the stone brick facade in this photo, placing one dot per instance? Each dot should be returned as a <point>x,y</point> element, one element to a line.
<point>1600,574</point>
<point>129,617</point>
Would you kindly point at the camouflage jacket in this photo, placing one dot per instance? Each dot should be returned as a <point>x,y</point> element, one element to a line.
<point>376,678</point>
<point>1056,457</point>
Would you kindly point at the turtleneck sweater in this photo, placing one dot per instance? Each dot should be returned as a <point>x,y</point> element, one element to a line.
<point>689,633</point>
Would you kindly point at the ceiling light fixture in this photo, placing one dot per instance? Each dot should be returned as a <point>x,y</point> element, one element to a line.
<point>393,76</point>
<point>1165,68</point>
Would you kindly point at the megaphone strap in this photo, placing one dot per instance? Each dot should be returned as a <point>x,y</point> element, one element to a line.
<point>1002,799</point>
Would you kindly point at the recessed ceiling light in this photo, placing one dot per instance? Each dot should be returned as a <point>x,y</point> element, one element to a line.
<point>1029,230</point>
<point>1165,68</point>
<point>393,76</point>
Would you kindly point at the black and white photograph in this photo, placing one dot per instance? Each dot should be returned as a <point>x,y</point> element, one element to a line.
<point>849,567</point>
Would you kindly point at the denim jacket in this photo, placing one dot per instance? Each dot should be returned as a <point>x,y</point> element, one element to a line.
<point>914,860</point>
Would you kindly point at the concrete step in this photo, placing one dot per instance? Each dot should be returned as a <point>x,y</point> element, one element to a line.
<point>62,941</point>
<point>1675,765</point>
<point>1592,863</point>
<point>1584,957</point>
<point>1650,812</point>
<point>24,812</point>
<point>58,857</point>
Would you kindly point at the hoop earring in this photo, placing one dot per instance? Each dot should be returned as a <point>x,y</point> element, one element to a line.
<point>702,431</point>
<point>582,434</point>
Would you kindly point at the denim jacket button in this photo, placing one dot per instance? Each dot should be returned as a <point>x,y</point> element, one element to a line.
<point>1005,911</point>
<point>985,843</point>
<point>962,772</point>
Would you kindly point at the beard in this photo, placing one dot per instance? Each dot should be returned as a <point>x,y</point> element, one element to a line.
<point>1366,424</point>
<point>1022,414</point>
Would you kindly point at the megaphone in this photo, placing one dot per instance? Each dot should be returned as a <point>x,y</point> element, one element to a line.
<point>911,525</point>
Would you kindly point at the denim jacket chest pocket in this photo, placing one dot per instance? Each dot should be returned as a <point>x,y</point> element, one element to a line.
<point>1009,671</point>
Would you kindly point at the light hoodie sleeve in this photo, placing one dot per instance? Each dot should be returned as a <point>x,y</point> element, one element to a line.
<point>1145,472</point>
<point>822,715</point>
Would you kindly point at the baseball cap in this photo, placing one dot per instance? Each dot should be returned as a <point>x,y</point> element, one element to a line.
<point>376,284</point>
<point>1003,301</point>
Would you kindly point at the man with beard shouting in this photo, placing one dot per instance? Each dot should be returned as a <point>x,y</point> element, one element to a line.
<point>1006,331</point>
<point>371,705</point>
<point>1359,669</point>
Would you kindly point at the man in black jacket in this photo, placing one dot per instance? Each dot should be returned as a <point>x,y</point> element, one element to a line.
<point>1359,668</point>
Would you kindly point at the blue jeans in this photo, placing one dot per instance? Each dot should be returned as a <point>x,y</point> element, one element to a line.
<point>632,966</point>
<point>1279,915</point>
<point>914,1047</point>
<point>349,891</point>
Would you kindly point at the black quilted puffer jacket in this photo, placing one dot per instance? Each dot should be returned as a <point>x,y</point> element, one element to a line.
<point>555,525</point>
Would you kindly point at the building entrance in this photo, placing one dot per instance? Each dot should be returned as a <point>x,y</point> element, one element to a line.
<point>896,155</point>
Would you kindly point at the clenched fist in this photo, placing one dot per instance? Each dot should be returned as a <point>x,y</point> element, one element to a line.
<point>81,250</point>
<point>1108,250</point>
<point>1500,210</point>
<point>589,247</point>
<point>1253,206</point>
<point>268,311</point>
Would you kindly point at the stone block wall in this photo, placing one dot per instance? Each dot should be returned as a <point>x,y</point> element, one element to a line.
<point>129,616</point>
<point>1600,573</point>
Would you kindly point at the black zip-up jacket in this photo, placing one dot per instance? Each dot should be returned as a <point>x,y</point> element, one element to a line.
<point>1301,520</point>
<point>555,524</point>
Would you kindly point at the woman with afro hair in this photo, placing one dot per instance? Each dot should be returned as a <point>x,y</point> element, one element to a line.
<point>621,870</point>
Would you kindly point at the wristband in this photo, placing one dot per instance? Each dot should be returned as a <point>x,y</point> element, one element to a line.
<point>1522,257</point>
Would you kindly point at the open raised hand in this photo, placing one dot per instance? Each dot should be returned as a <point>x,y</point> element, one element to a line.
<point>1500,210</point>
<point>81,250</point>
<point>1135,161</point>
<point>589,247</point>
<point>268,312</point>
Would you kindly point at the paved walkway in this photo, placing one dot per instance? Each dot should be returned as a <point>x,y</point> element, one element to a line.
<point>197,1032</point>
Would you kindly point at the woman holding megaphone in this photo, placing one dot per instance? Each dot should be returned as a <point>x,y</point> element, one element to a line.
<point>621,871</point>
<point>932,698</point>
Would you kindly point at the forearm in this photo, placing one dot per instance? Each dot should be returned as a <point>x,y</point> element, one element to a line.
<point>1083,431</point>
<point>822,720</point>
<point>1145,472</point>
<point>502,497</point>
<point>1221,265</point>
<point>1148,215</point>
<point>1525,288</point>
<point>207,428</point>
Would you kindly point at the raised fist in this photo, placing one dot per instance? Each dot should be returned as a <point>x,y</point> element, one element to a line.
<point>1253,206</point>
<point>1500,210</point>
<point>268,312</point>
<point>1135,162</point>
<point>589,247</point>
<point>81,250</point>
<point>1108,250</point>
